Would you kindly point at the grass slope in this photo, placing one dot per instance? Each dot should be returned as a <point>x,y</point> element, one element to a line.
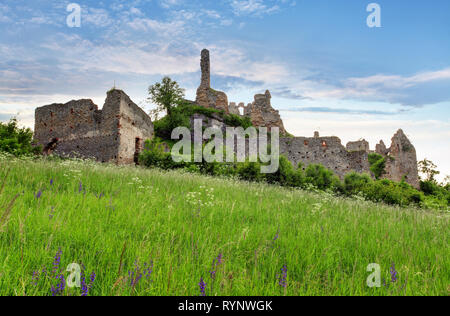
<point>113,219</point>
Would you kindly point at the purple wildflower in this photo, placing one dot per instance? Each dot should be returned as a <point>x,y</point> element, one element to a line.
<point>277,235</point>
<point>52,213</point>
<point>148,269</point>
<point>39,194</point>
<point>80,187</point>
<point>51,182</point>
<point>139,273</point>
<point>85,287</point>
<point>282,278</point>
<point>215,264</point>
<point>56,262</point>
<point>202,285</point>
<point>60,286</point>
<point>35,277</point>
<point>394,273</point>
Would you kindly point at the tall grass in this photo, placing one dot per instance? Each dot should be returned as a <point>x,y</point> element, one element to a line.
<point>120,222</point>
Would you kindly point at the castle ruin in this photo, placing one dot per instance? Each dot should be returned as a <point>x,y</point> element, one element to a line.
<point>118,131</point>
<point>401,158</point>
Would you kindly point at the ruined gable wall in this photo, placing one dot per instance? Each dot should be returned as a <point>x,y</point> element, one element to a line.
<point>78,127</point>
<point>135,126</point>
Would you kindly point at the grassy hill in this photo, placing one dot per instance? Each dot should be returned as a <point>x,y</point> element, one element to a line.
<point>147,232</point>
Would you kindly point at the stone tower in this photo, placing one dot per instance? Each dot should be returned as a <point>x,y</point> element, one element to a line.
<point>206,96</point>
<point>401,162</point>
<point>206,69</point>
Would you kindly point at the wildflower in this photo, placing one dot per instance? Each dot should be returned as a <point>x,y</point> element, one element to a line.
<point>202,285</point>
<point>52,213</point>
<point>282,278</point>
<point>80,187</point>
<point>215,264</point>
<point>394,273</point>
<point>51,182</point>
<point>277,235</point>
<point>56,261</point>
<point>148,269</point>
<point>60,286</point>
<point>35,277</point>
<point>39,194</point>
<point>85,287</point>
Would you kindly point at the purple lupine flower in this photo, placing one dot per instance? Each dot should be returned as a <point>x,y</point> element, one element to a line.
<point>52,213</point>
<point>39,194</point>
<point>215,264</point>
<point>85,287</point>
<point>80,187</point>
<point>202,285</point>
<point>60,286</point>
<point>282,278</point>
<point>394,273</point>
<point>35,278</point>
<point>277,235</point>
<point>51,182</point>
<point>148,270</point>
<point>56,262</point>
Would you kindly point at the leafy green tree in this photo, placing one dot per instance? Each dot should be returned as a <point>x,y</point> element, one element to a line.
<point>166,94</point>
<point>15,140</point>
<point>428,169</point>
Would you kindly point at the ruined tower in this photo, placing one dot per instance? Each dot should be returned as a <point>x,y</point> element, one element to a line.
<point>206,96</point>
<point>205,66</point>
<point>401,159</point>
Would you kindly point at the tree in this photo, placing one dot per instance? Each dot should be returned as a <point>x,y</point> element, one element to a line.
<point>15,140</point>
<point>428,168</point>
<point>166,94</point>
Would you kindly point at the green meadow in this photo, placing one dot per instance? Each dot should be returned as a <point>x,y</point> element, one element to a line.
<point>136,231</point>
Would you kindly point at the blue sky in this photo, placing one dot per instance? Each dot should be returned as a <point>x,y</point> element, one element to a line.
<point>326,69</point>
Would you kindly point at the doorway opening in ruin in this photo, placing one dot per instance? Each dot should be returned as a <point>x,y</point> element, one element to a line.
<point>50,147</point>
<point>137,150</point>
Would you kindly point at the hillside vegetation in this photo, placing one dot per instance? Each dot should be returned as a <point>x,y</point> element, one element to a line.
<point>138,231</point>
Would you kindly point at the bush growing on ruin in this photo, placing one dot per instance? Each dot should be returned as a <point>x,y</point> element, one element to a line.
<point>377,164</point>
<point>17,141</point>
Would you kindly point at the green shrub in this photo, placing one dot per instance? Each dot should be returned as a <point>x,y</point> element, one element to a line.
<point>17,141</point>
<point>249,171</point>
<point>319,176</point>
<point>285,175</point>
<point>355,182</point>
<point>391,192</point>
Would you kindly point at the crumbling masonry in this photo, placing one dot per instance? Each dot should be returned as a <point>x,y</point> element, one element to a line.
<point>114,134</point>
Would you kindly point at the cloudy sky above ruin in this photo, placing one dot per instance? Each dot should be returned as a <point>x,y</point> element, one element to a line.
<point>326,69</point>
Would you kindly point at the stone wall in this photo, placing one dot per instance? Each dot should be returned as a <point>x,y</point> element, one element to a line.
<point>327,151</point>
<point>79,128</point>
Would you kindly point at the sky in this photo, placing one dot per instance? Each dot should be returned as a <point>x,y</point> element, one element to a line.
<point>326,69</point>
